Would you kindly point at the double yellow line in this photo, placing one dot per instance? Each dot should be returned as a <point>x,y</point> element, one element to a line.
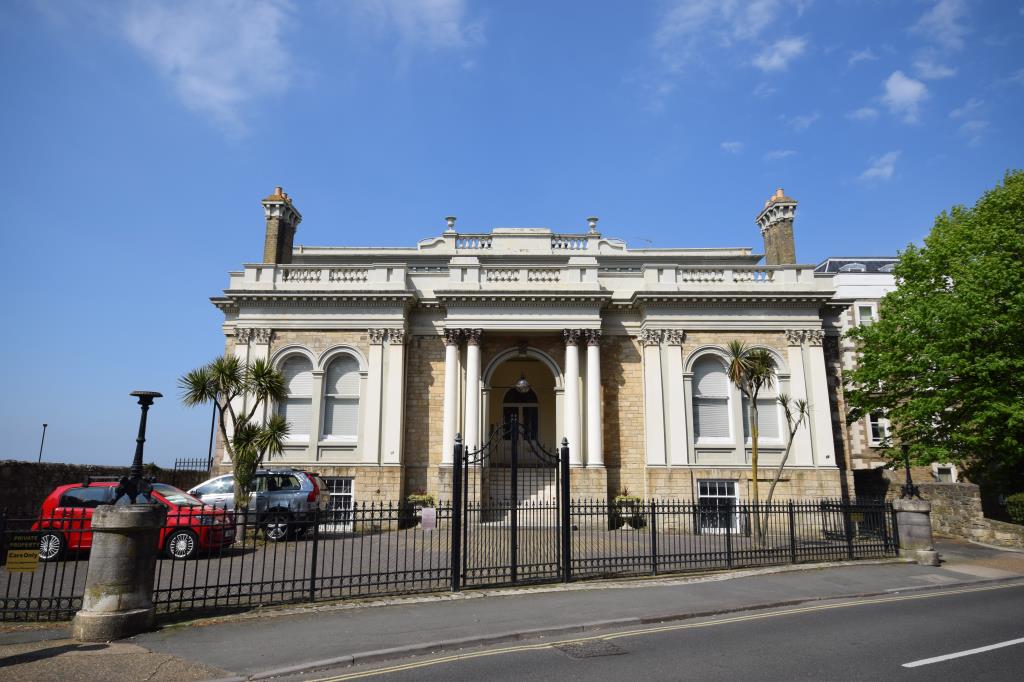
<point>660,628</point>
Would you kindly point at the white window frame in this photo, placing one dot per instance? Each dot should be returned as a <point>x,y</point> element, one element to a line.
<point>883,428</point>
<point>734,497</point>
<point>314,426</point>
<point>329,439</point>
<point>730,396</point>
<point>332,523</point>
<point>865,304</point>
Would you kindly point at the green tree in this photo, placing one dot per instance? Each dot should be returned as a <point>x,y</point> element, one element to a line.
<point>945,360</point>
<point>751,369</point>
<point>225,382</point>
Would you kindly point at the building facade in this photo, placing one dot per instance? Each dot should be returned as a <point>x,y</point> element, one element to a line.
<point>389,353</point>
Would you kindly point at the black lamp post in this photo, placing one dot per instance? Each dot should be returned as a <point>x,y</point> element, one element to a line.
<point>908,489</point>
<point>134,484</point>
<point>41,441</point>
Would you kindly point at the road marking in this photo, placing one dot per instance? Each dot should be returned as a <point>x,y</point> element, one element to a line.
<point>961,654</point>
<point>664,628</point>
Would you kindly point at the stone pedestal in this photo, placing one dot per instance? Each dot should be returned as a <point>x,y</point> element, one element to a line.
<point>118,599</point>
<point>913,517</point>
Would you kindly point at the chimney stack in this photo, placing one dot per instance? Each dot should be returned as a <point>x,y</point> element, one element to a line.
<point>776,223</point>
<point>282,221</point>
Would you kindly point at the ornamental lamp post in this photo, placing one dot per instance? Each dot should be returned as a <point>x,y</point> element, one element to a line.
<point>908,489</point>
<point>134,484</point>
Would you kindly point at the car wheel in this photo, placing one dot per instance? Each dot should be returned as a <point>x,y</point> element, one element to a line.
<point>51,546</point>
<point>275,527</point>
<point>182,544</point>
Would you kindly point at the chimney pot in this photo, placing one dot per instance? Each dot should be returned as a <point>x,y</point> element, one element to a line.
<point>277,190</point>
<point>779,193</point>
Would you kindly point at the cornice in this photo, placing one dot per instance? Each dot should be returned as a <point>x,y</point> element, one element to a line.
<point>315,298</point>
<point>517,298</point>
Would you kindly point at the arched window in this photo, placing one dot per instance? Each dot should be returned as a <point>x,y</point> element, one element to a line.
<point>710,399</point>
<point>341,398</point>
<point>769,414</point>
<point>297,408</point>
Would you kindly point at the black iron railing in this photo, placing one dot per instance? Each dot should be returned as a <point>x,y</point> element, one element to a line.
<point>217,559</point>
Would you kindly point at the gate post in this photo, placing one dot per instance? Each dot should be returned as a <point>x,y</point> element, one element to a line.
<point>456,526</point>
<point>565,522</point>
<point>514,502</point>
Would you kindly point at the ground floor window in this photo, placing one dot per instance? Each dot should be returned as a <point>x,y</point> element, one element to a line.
<point>716,501</point>
<point>339,506</point>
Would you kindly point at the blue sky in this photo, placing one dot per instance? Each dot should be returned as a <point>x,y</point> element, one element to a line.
<point>139,138</point>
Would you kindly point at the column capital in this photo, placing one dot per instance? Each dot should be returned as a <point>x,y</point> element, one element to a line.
<point>593,337</point>
<point>253,335</point>
<point>452,336</point>
<point>814,337</point>
<point>571,337</point>
<point>795,337</point>
<point>674,337</point>
<point>650,337</point>
<point>377,335</point>
<point>396,336</point>
<point>473,336</point>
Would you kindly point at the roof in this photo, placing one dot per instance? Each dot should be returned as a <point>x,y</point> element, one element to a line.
<point>872,264</point>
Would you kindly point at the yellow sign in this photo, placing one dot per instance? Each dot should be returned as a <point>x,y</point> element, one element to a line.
<point>23,553</point>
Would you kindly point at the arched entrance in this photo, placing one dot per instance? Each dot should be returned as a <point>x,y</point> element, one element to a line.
<point>537,410</point>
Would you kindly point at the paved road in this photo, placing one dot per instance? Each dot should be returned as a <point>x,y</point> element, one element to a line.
<point>870,638</point>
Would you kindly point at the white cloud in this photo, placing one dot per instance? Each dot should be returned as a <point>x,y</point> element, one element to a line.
<point>903,95</point>
<point>863,114</point>
<point>974,130</point>
<point>779,154</point>
<point>881,167</point>
<point>764,90</point>
<point>970,108</point>
<point>732,147</point>
<point>688,27</point>
<point>218,56</point>
<point>802,122</point>
<point>926,67</point>
<point>944,24</point>
<point>865,55</point>
<point>422,24</point>
<point>778,56</point>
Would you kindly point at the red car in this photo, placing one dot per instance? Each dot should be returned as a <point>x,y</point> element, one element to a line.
<point>65,521</point>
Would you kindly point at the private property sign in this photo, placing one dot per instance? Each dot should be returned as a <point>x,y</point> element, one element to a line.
<point>23,553</point>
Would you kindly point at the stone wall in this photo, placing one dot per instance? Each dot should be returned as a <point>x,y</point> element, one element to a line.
<point>24,485</point>
<point>956,511</point>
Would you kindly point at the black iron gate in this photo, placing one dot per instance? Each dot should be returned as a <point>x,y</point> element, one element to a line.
<point>510,510</point>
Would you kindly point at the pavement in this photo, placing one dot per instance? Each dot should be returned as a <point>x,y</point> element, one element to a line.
<point>282,641</point>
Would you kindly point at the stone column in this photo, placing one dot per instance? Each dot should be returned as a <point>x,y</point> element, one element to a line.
<point>571,401</point>
<point>595,427</point>
<point>913,516</point>
<point>374,388</point>
<point>394,399</point>
<point>817,399</point>
<point>118,599</point>
<point>802,451</point>
<point>472,436</point>
<point>451,393</point>
<point>678,438</point>
<point>654,412</point>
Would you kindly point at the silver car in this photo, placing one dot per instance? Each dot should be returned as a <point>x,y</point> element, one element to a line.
<point>283,500</point>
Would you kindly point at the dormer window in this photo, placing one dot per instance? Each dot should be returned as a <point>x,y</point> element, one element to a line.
<point>889,267</point>
<point>854,267</point>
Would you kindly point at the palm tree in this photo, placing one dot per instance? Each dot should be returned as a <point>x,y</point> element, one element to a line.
<point>797,412</point>
<point>224,382</point>
<point>751,369</point>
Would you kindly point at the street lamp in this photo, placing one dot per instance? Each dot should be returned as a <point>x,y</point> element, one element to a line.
<point>41,441</point>
<point>134,484</point>
<point>908,489</point>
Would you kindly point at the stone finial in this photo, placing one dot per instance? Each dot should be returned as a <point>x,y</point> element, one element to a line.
<point>592,223</point>
<point>450,221</point>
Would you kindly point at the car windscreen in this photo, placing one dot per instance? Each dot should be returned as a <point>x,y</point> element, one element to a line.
<point>175,496</point>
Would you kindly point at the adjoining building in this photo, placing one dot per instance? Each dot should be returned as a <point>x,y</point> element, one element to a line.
<point>390,352</point>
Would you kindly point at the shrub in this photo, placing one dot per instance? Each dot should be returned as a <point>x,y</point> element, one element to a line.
<point>420,499</point>
<point>1015,507</point>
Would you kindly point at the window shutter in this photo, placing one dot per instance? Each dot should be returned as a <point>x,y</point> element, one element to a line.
<point>710,379</point>
<point>343,376</point>
<point>341,417</point>
<point>711,399</point>
<point>298,413</point>
<point>767,419</point>
<point>298,376</point>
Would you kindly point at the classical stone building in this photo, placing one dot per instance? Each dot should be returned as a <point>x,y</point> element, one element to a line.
<point>391,352</point>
